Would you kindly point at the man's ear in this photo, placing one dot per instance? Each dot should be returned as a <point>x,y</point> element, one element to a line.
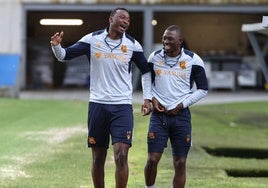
<point>181,40</point>
<point>110,19</point>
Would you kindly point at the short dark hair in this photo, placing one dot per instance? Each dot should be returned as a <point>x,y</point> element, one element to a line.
<point>175,28</point>
<point>116,9</point>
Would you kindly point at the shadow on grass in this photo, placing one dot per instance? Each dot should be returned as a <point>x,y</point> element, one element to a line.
<point>241,153</point>
<point>238,152</point>
<point>247,173</point>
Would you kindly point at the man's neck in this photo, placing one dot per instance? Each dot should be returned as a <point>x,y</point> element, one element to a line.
<point>114,35</point>
<point>174,54</point>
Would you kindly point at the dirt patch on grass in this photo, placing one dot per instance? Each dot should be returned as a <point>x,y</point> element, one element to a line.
<point>14,167</point>
<point>55,136</point>
<point>13,172</point>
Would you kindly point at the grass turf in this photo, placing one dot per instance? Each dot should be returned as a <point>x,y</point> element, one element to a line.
<point>43,144</point>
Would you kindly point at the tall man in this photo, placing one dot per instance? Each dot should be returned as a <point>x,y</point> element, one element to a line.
<point>110,52</point>
<point>174,69</point>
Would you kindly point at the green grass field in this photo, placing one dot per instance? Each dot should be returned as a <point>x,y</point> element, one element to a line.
<point>43,144</point>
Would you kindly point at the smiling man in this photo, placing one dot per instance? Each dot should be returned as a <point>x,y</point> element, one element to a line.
<point>110,52</point>
<point>174,70</point>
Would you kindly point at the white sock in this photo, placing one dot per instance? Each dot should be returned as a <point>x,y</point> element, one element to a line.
<point>151,186</point>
